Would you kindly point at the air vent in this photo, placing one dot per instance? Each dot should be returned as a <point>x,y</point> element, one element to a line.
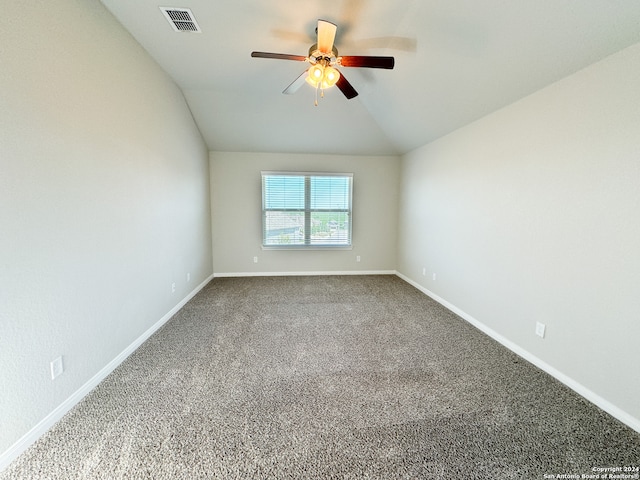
<point>181,19</point>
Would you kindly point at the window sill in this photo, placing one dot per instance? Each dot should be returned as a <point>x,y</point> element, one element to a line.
<point>307,247</point>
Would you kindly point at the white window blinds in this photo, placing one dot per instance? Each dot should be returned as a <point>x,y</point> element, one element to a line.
<point>306,209</point>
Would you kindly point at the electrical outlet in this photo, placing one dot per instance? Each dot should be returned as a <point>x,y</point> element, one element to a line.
<point>424,271</point>
<point>540,328</point>
<point>56,368</point>
<point>173,287</point>
<point>357,258</point>
<point>255,259</point>
<point>434,277</point>
<point>188,276</point>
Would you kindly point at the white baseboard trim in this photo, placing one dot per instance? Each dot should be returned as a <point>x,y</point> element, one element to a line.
<point>303,274</point>
<point>52,418</point>
<point>580,389</point>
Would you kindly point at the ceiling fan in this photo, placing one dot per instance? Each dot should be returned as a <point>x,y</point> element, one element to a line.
<point>323,57</point>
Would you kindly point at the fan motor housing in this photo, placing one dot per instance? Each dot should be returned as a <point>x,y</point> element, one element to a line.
<point>316,54</point>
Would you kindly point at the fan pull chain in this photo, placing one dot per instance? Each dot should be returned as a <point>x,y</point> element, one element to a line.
<point>316,102</point>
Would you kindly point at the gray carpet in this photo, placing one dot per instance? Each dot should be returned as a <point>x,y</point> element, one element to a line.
<point>325,377</point>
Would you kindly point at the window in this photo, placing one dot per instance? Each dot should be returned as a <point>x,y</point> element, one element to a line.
<point>306,209</point>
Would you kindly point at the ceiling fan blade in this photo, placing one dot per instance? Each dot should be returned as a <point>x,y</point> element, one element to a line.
<point>367,62</point>
<point>326,36</point>
<point>346,88</point>
<point>279,56</point>
<point>296,84</point>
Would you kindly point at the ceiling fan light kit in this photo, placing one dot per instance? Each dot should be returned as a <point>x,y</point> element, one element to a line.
<point>320,76</point>
<point>323,57</point>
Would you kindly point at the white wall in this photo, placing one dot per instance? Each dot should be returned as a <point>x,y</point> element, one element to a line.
<point>533,214</point>
<point>236,196</point>
<point>104,202</point>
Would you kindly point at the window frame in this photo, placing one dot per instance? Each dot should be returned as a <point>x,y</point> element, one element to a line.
<point>308,211</point>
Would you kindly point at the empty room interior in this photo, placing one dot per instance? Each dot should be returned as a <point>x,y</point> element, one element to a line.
<point>489,156</point>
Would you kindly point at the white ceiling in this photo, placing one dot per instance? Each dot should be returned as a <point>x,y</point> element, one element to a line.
<point>456,61</point>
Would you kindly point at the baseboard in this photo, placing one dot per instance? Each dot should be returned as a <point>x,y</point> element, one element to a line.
<point>301,274</point>
<point>577,387</point>
<point>50,420</point>
<point>45,424</point>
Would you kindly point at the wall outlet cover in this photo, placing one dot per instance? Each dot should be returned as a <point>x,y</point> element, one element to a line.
<point>56,368</point>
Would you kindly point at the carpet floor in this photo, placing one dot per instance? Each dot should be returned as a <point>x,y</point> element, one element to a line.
<point>326,377</point>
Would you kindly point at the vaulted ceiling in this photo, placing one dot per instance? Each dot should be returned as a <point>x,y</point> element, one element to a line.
<point>456,61</point>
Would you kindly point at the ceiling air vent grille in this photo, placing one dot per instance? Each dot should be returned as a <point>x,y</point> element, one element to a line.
<point>181,19</point>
